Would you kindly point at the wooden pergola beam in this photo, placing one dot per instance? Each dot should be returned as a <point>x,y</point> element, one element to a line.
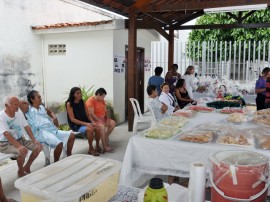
<point>151,24</point>
<point>200,5</point>
<point>132,63</point>
<point>224,26</point>
<point>189,18</point>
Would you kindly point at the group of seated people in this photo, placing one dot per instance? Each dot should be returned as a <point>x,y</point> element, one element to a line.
<point>173,94</point>
<point>166,104</point>
<point>41,125</point>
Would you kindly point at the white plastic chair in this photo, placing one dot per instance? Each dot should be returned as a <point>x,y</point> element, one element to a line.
<point>138,117</point>
<point>154,120</point>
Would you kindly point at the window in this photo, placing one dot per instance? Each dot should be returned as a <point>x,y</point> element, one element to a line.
<point>57,49</point>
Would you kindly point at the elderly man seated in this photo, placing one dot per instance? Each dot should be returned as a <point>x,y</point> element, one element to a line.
<point>160,109</point>
<point>12,123</point>
<point>99,114</point>
<point>45,131</point>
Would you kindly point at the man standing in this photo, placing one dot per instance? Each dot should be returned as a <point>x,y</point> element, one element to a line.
<point>12,123</point>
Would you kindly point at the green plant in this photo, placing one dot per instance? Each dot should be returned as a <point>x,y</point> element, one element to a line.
<point>222,35</point>
<point>112,114</point>
<point>86,93</point>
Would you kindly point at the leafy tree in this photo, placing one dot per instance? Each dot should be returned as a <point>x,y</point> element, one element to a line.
<point>260,34</point>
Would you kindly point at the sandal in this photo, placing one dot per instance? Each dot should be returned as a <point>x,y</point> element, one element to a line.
<point>99,150</point>
<point>93,152</point>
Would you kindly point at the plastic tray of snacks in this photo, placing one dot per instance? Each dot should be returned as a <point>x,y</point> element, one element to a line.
<point>262,137</point>
<point>263,111</point>
<point>230,110</point>
<point>262,119</point>
<point>160,132</point>
<point>185,113</point>
<point>197,136</point>
<point>236,138</point>
<point>200,108</point>
<point>237,118</point>
<point>214,127</point>
<point>173,121</point>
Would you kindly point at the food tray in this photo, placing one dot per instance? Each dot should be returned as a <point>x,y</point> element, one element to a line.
<point>201,108</point>
<point>185,113</point>
<point>230,110</point>
<point>262,120</point>
<point>214,127</point>
<point>197,136</point>
<point>236,138</point>
<point>263,111</point>
<point>160,132</point>
<point>262,137</point>
<point>173,121</point>
<point>236,118</point>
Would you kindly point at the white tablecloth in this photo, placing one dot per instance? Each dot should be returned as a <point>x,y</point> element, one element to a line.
<point>249,99</point>
<point>172,157</point>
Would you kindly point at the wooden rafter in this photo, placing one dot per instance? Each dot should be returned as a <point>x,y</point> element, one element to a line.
<point>189,18</point>
<point>199,5</point>
<point>224,26</point>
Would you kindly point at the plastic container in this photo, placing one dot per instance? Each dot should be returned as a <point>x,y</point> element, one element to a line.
<point>239,176</point>
<point>76,178</point>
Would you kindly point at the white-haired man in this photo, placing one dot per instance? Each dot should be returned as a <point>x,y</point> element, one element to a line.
<point>12,123</point>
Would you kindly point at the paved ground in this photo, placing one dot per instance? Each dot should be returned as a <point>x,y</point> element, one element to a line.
<point>119,140</point>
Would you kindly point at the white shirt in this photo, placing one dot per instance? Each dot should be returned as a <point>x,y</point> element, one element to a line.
<point>189,79</point>
<point>168,100</point>
<point>13,125</point>
<point>156,106</point>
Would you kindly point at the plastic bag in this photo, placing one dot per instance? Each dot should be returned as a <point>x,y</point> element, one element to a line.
<point>235,137</point>
<point>160,132</point>
<point>237,118</point>
<point>185,113</point>
<point>197,136</point>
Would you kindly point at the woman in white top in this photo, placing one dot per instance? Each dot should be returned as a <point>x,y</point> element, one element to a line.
<point>167,98</point>
<point>189,79</point>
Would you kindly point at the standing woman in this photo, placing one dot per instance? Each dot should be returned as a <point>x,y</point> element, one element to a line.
<point>260,88</point>
<point>79,119</point>
<point>172,77</point>
<point>167,98</point>
<point>182,94</point>
<point>190,81</point>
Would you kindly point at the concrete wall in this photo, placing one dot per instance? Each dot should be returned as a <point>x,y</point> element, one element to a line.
<point>88,61</point>
<point>144,38</point>
<point>20,49</point>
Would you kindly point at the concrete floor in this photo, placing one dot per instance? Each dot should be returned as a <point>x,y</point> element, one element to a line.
<point>118,140</point>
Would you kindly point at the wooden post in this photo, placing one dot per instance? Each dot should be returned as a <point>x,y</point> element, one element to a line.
<point>132,46</point>
<point>171,48</point>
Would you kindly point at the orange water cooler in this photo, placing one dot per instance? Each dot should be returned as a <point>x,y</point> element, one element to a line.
<point>239,176</point>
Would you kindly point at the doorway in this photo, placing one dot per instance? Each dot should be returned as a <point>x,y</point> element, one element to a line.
<point>139,79</point>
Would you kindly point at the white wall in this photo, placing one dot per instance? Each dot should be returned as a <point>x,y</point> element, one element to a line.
<point>88,61</point>
<point>144,38</point>
<point>20,49</point>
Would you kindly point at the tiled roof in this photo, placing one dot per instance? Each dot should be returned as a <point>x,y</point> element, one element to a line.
<point>75,24</point>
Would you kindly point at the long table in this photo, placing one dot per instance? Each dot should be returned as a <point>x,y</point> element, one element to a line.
<point>249,99</point>
<point>172,157</point>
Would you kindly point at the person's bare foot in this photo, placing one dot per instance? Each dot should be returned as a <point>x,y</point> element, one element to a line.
<point>21,174</point>
<point>99,150</point>
<point>93,152</point>
<point>27,170</point>
<point>108,149</point>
